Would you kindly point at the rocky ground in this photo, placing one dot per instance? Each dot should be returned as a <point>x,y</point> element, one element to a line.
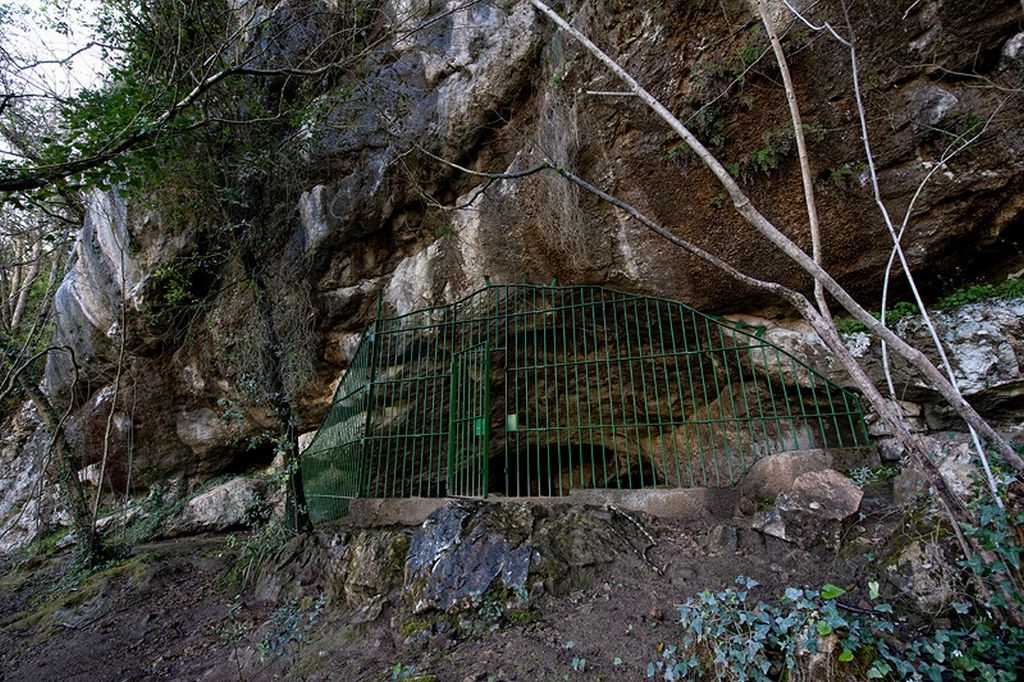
<point>478,592</point>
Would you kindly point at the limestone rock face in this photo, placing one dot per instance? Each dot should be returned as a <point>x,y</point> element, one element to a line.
<point>983,342</point>
<point>218,509</point>
<point>814,512</point>
<point>28,505</point>
<point>103,273</point>
<point>956,458</point>
<point>491,86</point>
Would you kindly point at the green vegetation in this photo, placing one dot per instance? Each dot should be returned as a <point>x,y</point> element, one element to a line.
<point>289,629</point>
<point>975,293</point>
<point>868,476</point>
<point>1007,289</point>
<point>254,551</point>
<point>733,66</point>
<point>731,636</point>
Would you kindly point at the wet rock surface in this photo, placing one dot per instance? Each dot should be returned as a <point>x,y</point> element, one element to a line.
<point>452,568</point>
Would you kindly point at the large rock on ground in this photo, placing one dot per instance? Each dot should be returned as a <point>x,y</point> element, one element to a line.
<point>220,508</point>
<point>446,569</point>
<point>775,474</point>
<point>922,573</point>
<point>814,512</point>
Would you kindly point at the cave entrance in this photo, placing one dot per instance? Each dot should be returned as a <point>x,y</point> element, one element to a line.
<point>523,391</point>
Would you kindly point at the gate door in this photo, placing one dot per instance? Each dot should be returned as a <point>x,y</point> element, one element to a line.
<point>469,422</point>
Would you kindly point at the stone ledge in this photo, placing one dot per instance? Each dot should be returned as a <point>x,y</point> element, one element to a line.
<point>682,503</point>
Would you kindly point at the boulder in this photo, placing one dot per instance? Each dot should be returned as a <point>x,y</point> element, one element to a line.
<point>447,570</point>
<point>922,573</point>
<point>220,508</point>
<point>775,474</point>
<point>814,512</point>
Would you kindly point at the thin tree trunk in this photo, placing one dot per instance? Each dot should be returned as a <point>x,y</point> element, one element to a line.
<point>801,148</point>
<point>88,546</point>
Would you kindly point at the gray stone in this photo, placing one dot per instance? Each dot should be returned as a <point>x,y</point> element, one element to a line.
<point>305,439</point>
<point>1014,47</point>
<point>721,541</point>
<point>370,610</point>
<point>775,474</point>
<point>983,341</point>
<point>217,509</point>
<point>371,565</point>
<point>203,429</point>
<point>815,512</point>
<point>930,104</point>
<point>956,458</point>
<point>446,571</point>
<point>922,573</point>
<point>889,450</point>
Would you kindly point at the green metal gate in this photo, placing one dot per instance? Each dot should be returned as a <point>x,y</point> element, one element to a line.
<point>525,390</point>
<point>469,427</point>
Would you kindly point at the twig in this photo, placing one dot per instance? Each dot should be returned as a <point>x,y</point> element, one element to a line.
<point>642,555</point>
<point>801,146</point>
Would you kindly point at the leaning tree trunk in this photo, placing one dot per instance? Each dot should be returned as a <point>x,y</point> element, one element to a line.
<point>88,547</point>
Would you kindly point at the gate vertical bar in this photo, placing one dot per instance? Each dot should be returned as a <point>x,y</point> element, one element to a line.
<point>370,379</point>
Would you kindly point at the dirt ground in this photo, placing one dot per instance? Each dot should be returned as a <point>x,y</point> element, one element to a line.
<point>165,613</point>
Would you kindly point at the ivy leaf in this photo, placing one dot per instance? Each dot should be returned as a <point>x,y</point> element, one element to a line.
<point>873,589</point>
<point>823,628</point>
<point>846,656</point>
<point>961,607</point>
<point>879,669</point>
<point>830,591</point>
